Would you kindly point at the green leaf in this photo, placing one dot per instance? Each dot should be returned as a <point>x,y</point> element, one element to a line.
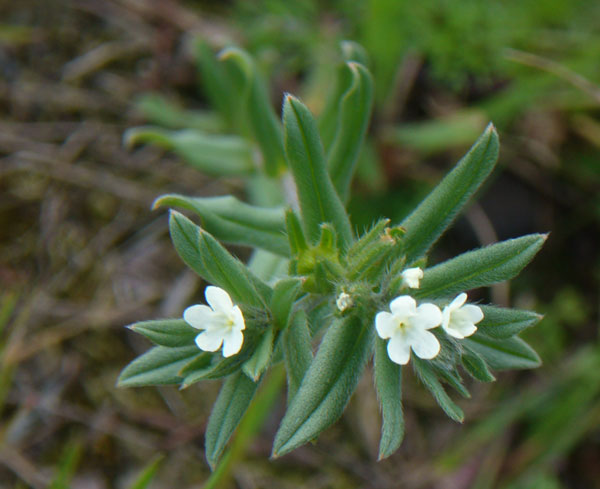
<point>216,155</point>
<point>159,110</point>
<point>499,322</point>
<point>166,332</point>
<point>233,221</point>
<point>476,366</point>
<point>452,378</point>
<point>388,382</point>
<point>319,201</point>
<point>203,254</point>
<point>430,381</point>
<point>158,366</point>
<point>503,354</point>
<point>353,119</point>
<point>295,234</point>
<point>433,216</point>
<point>285,293</point>
<point>481,267</point>
<point>216,82</point>
<point>261,117</point>
<point>216,367</point>
<point>260,359</point>
<point>328,119</point>
<point>233,401</point>
<point>298,351</point>
<point>327,385</point>
<point>232,274</point>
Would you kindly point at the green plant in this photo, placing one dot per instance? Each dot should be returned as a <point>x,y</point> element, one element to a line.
<point>316,296</point>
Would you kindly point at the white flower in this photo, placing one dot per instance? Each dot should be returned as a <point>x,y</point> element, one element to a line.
<point>459,320</point>
<point>411,277</point>
<point>222,322</point>
<point>344,301</point>
<point>406,327</point>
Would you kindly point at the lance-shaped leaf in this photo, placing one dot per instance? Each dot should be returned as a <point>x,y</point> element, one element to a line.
<point>203,254</point>
<point>319,201</point>
<point>328,119</point>
<point>353,120</point>
<point>499,322</point>
<point>284,295</point>
<point>327,385</point>
<point>214,366</point>
<point>158,366</point>
<point>430,381</point>
<point>503,354</point>
<point>233,401</point>
<point>481,267</point>
<point>233,221</point>
<point>261,117</point>
<point>431,218</point>
<point>216,83</point>
<point>159,110</point>
<point>297,351</point>
<point>260,359</point>
<point>476,366</point>
<point>166,332</point>
<point>215,155</point>
<point>295,235</point>
<point>388,382</point>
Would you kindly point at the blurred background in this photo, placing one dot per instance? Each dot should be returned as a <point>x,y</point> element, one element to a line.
<point>82,254</point>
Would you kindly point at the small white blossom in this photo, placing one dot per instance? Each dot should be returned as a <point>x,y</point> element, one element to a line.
<point>406,328</point>
<point>222,322</point>
<point>344,301</point>
<point>411,277</point>
<point>458,320</point>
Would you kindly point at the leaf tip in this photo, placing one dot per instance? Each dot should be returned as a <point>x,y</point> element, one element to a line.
<point>158,202</point>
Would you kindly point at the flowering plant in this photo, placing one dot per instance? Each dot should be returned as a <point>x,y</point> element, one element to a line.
<point>317,296</point>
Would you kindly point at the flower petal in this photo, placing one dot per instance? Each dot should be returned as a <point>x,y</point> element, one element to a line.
<point>198,316</point>
<point>398,350</point>
<point>238,319</point>
<point>403,306</point>
<point>428,316</point>
<point>218,299</point>
<point>460,325</point>
<point>425,345</point>
<point>454,331</point>
<point>474,313</point>
<point>458,301</point>
<point>385,324</point>
<point>232,343</point>
<point>209,340</point>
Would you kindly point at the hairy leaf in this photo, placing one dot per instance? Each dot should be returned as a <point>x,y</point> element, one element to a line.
<point>353,120</point>
<point>158,366</point>
<point>430,381</point>
<point>233,221</point>
<point>435,214</point>
<point>298,351</point>
<point>503,354</point>
<point>481,267</point>
<point>233,401</point>
<point>327,385</point>
<point>388,382</point>
<point>166,332</point>
<point>499,322</point>
<point>216,155</point>
<point>319,201</point>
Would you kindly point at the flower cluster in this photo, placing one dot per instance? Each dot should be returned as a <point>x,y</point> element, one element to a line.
<point>406,326</point>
